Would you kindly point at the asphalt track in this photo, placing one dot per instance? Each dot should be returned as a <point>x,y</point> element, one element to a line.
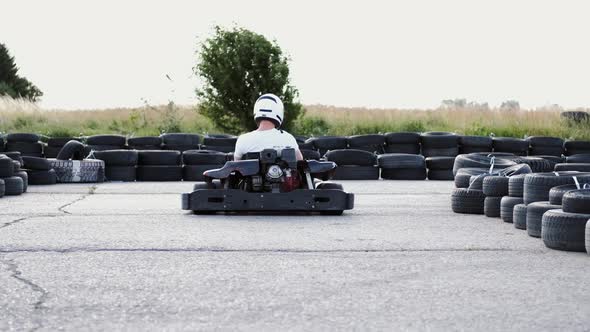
<point>120,256</point>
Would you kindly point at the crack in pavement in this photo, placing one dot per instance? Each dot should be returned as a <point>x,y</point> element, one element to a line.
<point>15,273</point>
<point>16,221</point>
<point>224,250</point>
<point>90,192</point>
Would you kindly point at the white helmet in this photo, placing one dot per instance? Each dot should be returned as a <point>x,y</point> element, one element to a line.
<point>269,107</point>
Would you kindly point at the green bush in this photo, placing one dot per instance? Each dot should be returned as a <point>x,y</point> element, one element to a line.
<point>237,66</point>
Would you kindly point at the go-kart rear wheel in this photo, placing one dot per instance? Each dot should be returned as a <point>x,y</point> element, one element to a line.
<point>332,213</point>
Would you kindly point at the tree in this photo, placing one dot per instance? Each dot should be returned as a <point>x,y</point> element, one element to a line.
<point>510,105</point>
<point>10,83</point>
<point>237,66</point>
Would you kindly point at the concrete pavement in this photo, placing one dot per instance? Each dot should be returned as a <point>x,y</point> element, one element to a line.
<point>126,257</point>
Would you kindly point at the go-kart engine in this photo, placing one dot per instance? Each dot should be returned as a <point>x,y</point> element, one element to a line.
<point>274,173</point>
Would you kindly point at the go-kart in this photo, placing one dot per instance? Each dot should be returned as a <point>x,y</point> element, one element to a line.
<point>269,181</point>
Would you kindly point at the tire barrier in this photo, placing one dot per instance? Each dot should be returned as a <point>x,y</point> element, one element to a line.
<point>538,185</point>
<point>198,161</point>
<point>467,201</point>
<point>180,142</point>
<point>79,171</point>
<point>145,143</point>
<point>120,165</point>
<point>372,143</point>
<point>519,216</point>
<point>39,171</point>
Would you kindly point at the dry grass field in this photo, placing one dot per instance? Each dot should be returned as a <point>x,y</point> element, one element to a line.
<point>20,116</point>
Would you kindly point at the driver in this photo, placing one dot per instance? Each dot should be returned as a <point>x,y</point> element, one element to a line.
<point>268,114</point>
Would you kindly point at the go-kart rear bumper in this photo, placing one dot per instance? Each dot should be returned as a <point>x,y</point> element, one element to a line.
<point>301,200</point>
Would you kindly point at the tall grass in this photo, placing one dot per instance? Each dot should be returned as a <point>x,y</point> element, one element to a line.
<point>21,116</point>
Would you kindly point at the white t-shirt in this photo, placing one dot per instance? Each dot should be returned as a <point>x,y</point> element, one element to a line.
<point>258,140</point>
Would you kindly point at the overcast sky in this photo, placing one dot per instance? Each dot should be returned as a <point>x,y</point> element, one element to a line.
<point>107,53</point>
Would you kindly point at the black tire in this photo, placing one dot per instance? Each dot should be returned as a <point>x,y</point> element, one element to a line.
<point>519,216</point>
<point>2,188</point>
<point>16,166</point>
<point>14,155</point>
<point>572,167</point>
<point>310,155</point>
<point>546,150</point>
<point>491,207</point>
<point>441,174</point>
<point>72,150</point>
<point>545,141</point>
<point>371,143</point>
<point>537,165</point>
<point>14,186</point>
<point>38,164</point>
<point>195,172</point>
<point>6,167</point>
<point>351,157</point>
<point>42,177</point>
<point>203,157</point>
<point>581,158</point>
<point>576,147</point>
<point>476,181</point>
<point>22,137</point>
<point>575,116</point>
<point>159,173</point>
<point>564,231</point>
<point>495,186</point>
<point>476,142</point>
<point>200,186</point>
<point>399,160</point>
<point>180,139</point>
<point>215,141</point>
<point>516,170</point>
<point>440,163</point>
<point>350,172</point>
<point>120,173</point>
<point>440,152</point>
<point>326,143</point>
<point>82,171</point>
<point>556,193</point>
<point>158,158</point>
<point>538,185</point>
<point>410,138</point>
<point>439,140</point>
<point>117,157</point>
<point>403,148</point>
<point>58,142</point>
<point>327,185</point>
<point>463,177</point>
<point>552,159</point>
<point>476,160</point>
<point>26,148</point>
<point>516,185</point>
<point>507,207</point>
<point>306,146</point>
<point>467,201</point>
<point>145,141</point>
<point>403,173</point>
<point>588,237</point>
<point>534,217</point>
<point>23,175</point>
<point>509,144</point>
<point>114,140</point>
<point>576,201</point>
